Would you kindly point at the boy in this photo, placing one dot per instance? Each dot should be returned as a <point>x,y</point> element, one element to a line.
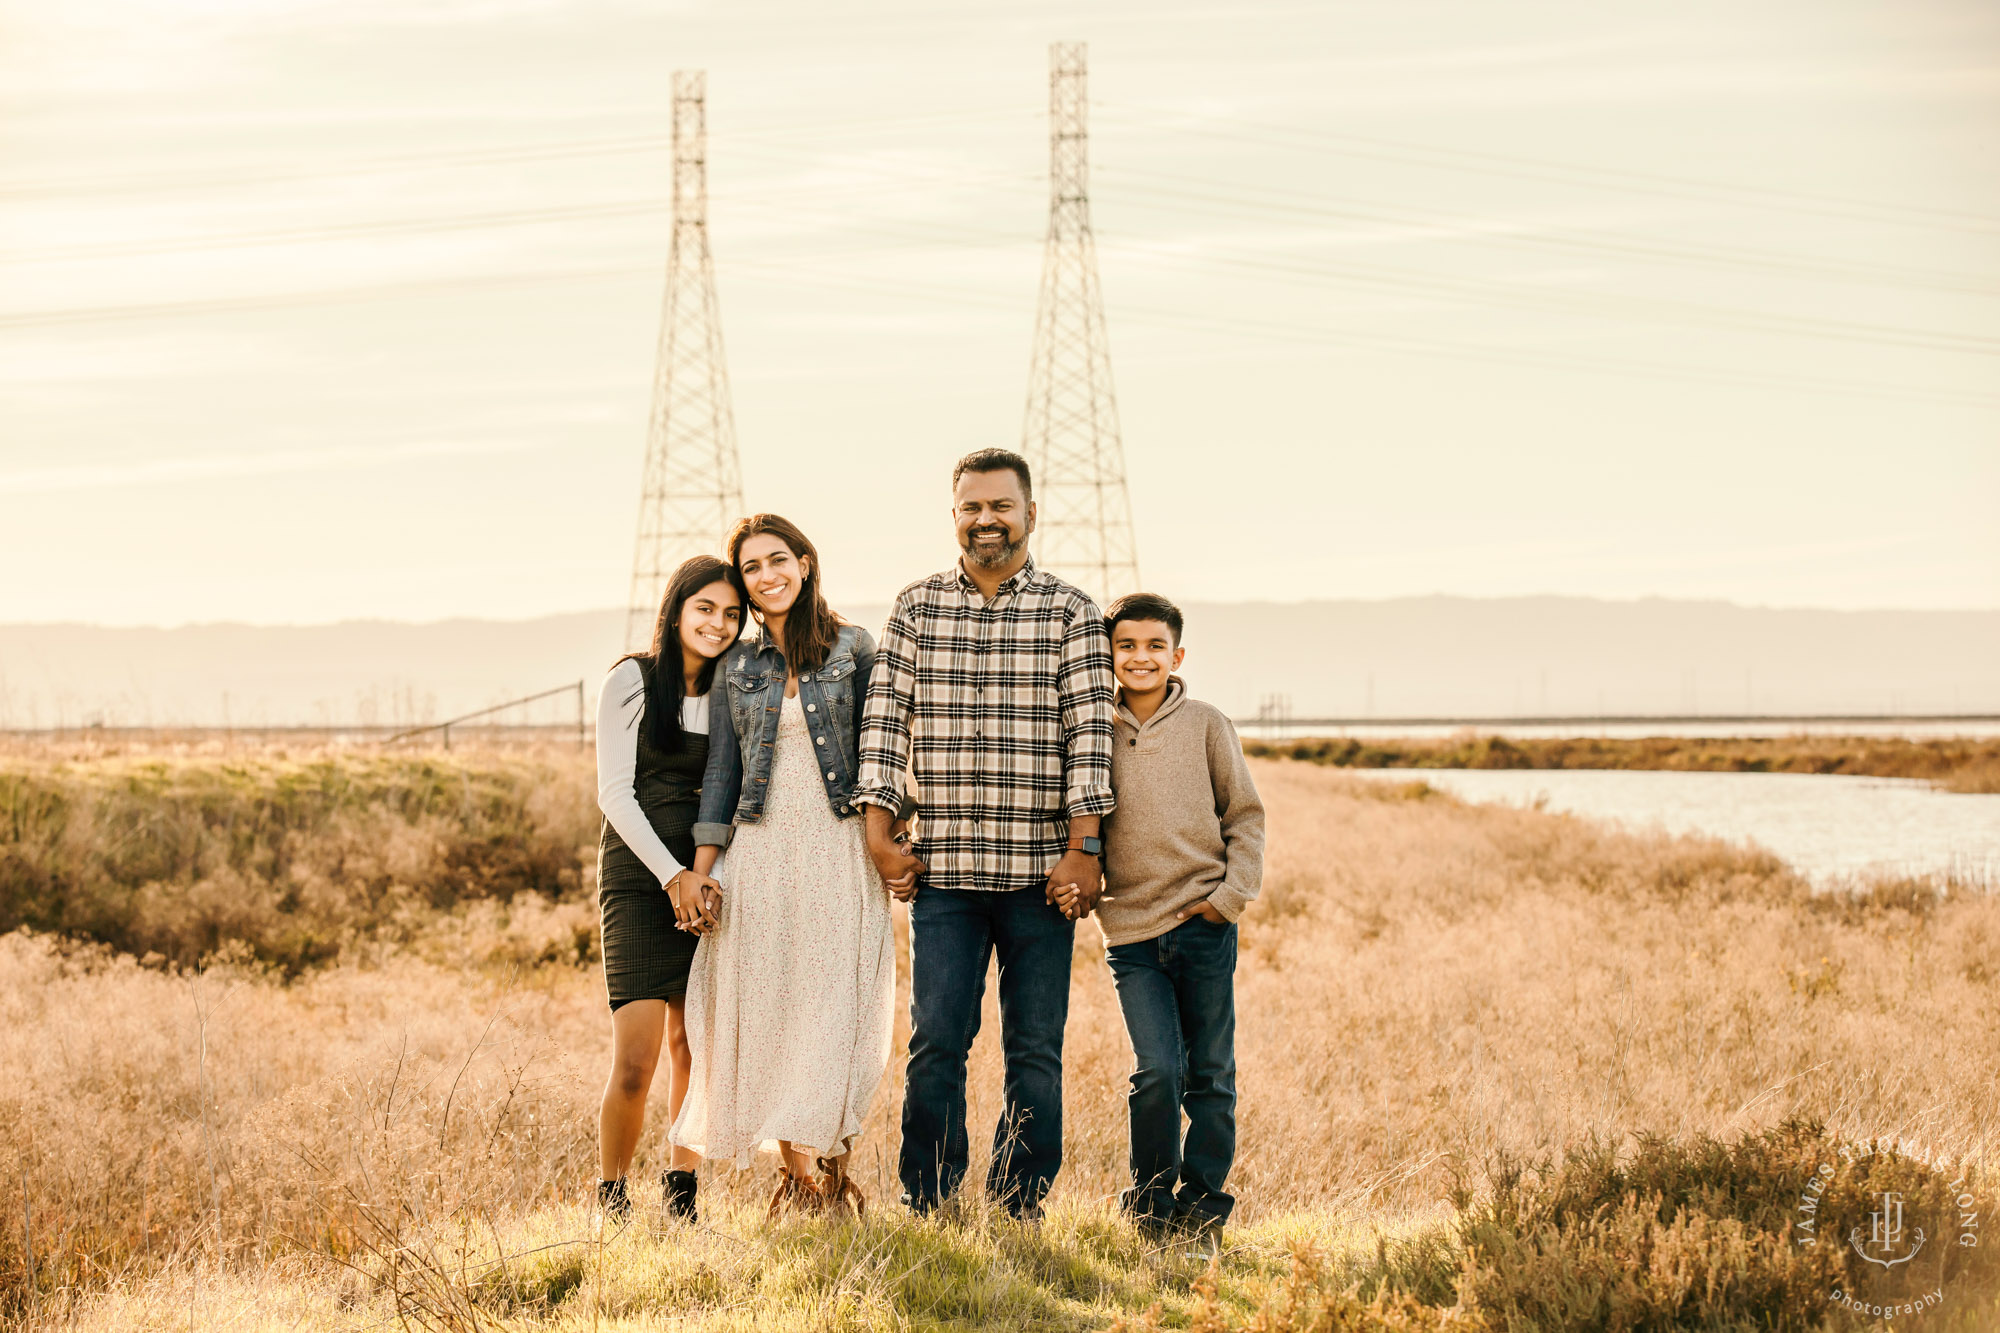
<point>1184,855</point>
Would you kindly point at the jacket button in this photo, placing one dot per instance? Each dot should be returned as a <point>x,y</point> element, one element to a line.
<point>812,708</point>
<point>829,775</point>
<point>822,740</point>
<point>807,676</point>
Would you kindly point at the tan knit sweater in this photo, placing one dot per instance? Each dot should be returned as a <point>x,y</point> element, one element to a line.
<point>1188,824</point>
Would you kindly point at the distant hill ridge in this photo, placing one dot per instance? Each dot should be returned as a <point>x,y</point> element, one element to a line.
<point>1399,657</point>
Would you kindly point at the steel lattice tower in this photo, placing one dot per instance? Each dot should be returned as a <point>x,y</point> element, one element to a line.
<point>1084,528</point>
<point>693,487</point>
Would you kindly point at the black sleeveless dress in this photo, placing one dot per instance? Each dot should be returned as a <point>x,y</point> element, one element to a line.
<point>646,956</point>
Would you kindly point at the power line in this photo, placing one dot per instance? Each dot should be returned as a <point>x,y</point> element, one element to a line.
<point>1607,305</point>
<point>1486,291</point>
<point>502,155</point>
<point>359,294</point>
<point>1307,335</point>
<point>1473,290</point>
<point>617,208</point>
<point>1269,331</point>
<point>1259,203</point>
<point>1483,291</point>
<point>959,235</point>
<point>1610,178</point>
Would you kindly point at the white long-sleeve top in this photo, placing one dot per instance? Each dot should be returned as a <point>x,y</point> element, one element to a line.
<point>620,705</point>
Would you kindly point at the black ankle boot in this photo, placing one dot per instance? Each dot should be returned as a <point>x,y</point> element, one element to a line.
<point>679,1186</point>
<point>611,1197</point>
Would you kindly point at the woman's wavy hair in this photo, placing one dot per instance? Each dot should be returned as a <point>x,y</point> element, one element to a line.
<point>811,626</point>
<point>669,681</point>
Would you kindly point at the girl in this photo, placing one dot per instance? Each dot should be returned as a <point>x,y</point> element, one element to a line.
<point>652,745</point>
<point>789,1002</point>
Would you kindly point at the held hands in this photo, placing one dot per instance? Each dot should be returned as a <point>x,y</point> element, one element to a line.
<point>696,898</point>
<point>898,866</point>
<point>1204,909</point>
<point>1075,885</point>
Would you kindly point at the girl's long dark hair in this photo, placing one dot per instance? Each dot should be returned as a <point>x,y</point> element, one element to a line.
<point>669,679</point>
<point>810,626</point>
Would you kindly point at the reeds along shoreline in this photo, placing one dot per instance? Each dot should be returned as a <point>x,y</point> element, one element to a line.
<point>1962,764</point>
<point>1428,991</point>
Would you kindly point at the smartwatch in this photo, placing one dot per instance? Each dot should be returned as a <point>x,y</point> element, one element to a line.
<point>1089,846</point>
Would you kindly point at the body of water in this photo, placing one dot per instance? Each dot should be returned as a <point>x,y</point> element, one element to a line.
<point>1908,729</point>
<point>1829,827</point>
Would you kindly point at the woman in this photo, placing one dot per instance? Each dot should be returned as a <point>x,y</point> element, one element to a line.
<point>790,1001</point>
<point>652,747</point>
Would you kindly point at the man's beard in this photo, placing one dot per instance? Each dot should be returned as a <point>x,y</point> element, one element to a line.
<point>993,557</point>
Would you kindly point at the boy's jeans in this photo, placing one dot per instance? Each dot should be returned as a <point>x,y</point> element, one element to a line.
<point>1178,992</point>
<point>953,932</point>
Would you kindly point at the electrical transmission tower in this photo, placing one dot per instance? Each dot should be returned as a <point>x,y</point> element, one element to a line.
<point>1084,525</point>
<point>693,487</point>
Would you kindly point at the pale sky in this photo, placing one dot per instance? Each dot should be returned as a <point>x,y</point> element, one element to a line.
<point>323,309</point>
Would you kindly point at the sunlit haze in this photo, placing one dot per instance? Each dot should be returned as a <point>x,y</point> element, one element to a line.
<point>317,311</point>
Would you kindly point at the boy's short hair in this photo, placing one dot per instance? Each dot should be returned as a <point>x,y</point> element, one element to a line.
<point>1144,606</point>
<point>996,460</point>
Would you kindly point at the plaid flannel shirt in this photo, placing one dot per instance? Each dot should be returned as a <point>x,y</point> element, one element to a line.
<point>1001,712</point>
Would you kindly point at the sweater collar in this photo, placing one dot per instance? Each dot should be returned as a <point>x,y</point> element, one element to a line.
<point>1176,696</point>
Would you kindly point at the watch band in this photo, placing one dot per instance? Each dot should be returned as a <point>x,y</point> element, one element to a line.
<point>1088,845</point>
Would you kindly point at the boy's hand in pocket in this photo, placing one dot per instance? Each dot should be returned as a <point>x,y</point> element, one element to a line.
<point>1204,909</point>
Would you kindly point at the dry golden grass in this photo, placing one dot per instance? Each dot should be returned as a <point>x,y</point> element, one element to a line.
<point>1955,763</point>
<point>1424,984</point>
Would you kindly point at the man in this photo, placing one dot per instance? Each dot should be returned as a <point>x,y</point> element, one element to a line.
<point>993,691</point>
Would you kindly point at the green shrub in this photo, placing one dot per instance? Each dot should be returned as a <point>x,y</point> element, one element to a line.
<point>1701,1234</point>
<point>292,860</point>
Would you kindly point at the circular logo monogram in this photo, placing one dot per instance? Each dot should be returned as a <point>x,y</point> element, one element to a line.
<point>1905,1222</point>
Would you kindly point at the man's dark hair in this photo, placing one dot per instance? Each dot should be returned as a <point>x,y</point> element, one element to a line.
<point>996,460</point>
<point>1144,606</point>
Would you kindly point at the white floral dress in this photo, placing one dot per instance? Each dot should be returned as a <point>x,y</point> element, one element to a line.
<point>790,1003</point>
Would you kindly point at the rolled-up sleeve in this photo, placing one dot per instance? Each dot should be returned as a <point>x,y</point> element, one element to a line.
<point>885,717</point>
<point>1085,686</point>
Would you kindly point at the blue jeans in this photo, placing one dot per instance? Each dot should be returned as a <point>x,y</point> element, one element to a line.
<point>953,932</point>
<point>1178,992</point>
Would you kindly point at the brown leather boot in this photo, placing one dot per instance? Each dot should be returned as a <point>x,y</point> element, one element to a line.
<point>795,1195</point>
<point>838,1193</point>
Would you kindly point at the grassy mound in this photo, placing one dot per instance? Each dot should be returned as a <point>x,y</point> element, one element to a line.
<point>288,862</point>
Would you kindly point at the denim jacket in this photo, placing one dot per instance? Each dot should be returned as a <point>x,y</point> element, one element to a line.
<point>743,729</point>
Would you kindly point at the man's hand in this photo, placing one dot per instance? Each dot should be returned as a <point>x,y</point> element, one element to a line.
<point>696,899</point>
<point>1204,909</point>
<point>889,849</point>
<point>902,889</point>
<point>1075,885</point>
